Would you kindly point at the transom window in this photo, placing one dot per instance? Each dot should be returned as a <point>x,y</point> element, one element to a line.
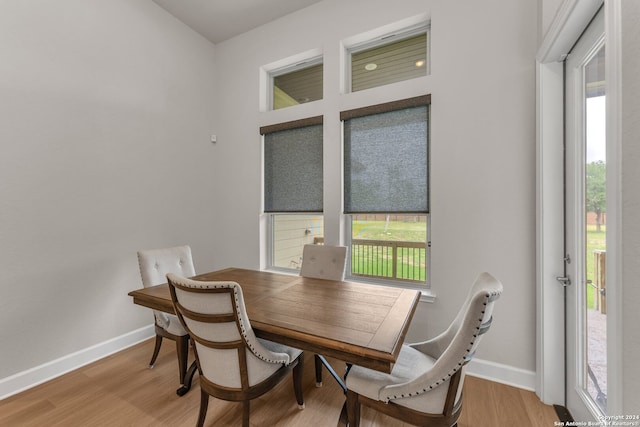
<point>297,84</point>
<point>389,59</point>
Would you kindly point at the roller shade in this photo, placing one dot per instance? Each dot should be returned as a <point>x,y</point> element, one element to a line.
<point>293,167</point>
<point>386,160</point>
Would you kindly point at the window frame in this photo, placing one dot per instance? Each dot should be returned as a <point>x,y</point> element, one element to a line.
<point>270,215</point>
<point>349,48</point>
<point>284,126</point>
<point>287,69</point>
<point>337,224</point>
<point>265,71</point>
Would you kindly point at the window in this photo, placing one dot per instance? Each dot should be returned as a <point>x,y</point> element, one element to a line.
<point>386,189</point>
<point>382,163</point>
<point>391,247</point>
<point>289,234</point>
<point>293,185</point>
<point>390,59</point>
<point>297,84</point>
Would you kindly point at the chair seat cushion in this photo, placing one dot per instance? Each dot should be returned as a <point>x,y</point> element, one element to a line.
<point>221,366</point>
<point>410,365</point>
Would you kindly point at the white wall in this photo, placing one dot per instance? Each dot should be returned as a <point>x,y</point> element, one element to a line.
<point>482,84</point>
<point>547,10</point>
<point>106,109</point>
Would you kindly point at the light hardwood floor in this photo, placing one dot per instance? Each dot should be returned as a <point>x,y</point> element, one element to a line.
<point>121,390</point>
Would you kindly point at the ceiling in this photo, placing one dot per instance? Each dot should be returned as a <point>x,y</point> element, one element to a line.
<point>219,20</point>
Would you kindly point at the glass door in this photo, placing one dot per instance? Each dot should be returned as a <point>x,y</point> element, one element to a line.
<point>585,194</point>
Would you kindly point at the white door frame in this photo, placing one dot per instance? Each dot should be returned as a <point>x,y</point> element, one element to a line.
<point>571,19</point>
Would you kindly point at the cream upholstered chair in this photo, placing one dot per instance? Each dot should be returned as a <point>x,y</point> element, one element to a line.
<point>324,262</point>
<point>233,364</point>
<point>154,266</point>
<point>425,385</point>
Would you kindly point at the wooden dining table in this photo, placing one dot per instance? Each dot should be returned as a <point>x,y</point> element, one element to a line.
<point>361,324</point>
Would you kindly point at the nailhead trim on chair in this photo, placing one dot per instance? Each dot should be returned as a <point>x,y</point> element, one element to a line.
<point>243,330</point>
<point>488,297</point>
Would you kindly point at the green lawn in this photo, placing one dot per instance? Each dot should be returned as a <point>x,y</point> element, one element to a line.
<point>595,240</point>
<point>408,231</point>
<point>379,262</point>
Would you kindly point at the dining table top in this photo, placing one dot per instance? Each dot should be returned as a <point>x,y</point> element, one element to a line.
<point>363,324</point>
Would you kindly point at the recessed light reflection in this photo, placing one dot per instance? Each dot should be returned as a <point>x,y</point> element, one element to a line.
<point>371,66</point>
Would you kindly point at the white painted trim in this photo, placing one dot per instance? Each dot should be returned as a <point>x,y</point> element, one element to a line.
<point>32,377</point>
<point>572,17</point>
<point>570,20</point>
<point>550,232</point>
<point>613,72</point>
<point>504,374</point>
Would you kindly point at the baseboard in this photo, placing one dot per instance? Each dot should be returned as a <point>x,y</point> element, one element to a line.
<point>21,381</point>
<point>503,374</point>
<point>50,370</point>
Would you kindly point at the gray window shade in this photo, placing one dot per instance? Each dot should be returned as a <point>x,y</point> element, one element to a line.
<point>293,170</point>
<point>386,162</point>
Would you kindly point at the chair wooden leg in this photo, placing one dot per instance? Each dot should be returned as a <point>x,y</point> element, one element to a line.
<point>353,409</point>
<point>297,381</point>
<point>204,404</point>
<point>318,364</point>
<point>182,348</point>
<point>156,350</point>
<point>246,410</point>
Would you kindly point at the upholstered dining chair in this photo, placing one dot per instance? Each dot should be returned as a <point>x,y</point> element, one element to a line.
<point>425,385</point>
<point>233,363</point>
<point>154,266</point>
<point>324,262</point>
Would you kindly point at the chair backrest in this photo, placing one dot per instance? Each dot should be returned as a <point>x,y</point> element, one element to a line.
<point>455,347</point>
<point>480,299</point>
<point>227,351</point>
<point>324,262</point>
<point>155,264</point>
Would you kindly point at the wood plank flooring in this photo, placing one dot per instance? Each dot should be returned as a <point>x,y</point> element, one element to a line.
<point>121,390</point>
